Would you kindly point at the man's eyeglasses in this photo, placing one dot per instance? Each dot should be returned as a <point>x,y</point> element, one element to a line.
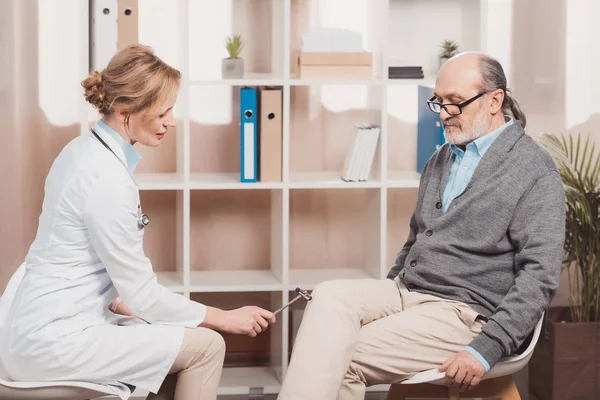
<point>451,109</point>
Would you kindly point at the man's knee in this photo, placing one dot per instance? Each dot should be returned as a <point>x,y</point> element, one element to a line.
<point>355,373</point>
<point>330,290</point>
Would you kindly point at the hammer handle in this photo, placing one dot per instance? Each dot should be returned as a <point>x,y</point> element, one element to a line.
<point>287,305</point>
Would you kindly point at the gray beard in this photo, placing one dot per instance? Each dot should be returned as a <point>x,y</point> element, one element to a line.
<point>479,128</point>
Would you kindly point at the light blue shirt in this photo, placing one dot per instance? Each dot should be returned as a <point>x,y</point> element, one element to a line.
<point>131,154</point>
<point>461,173</point>
<point>465,163</point>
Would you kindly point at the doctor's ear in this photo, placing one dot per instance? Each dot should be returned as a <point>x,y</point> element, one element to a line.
<point>122,116</point>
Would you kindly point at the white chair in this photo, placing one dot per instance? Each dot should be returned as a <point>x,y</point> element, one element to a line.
<point>497,383</point>
<point>49,390</point>
<point>40,390</point>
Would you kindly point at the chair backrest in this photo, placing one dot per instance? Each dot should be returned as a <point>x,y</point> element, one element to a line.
<point>534,339</point>
<point>3,374</point>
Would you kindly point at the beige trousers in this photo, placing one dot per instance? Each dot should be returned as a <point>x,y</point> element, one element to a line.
<point>196,372</point>
<point>358,333</point>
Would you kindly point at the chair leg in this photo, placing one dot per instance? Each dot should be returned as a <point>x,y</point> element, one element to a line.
<point>509,391</point>
<point>453,393</point>
<point>502,387</point>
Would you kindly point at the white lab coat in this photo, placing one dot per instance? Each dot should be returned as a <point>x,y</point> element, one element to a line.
<point>88,250</point>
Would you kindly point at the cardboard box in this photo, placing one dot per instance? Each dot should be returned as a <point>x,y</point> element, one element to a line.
<point>335,65</point>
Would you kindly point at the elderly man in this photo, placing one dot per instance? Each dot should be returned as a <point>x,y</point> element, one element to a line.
<point>480,265</point>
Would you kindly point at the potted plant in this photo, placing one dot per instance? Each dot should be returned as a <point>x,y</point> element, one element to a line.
<point>566,362</point>
<point>448,49</point>
<point>233,66</point>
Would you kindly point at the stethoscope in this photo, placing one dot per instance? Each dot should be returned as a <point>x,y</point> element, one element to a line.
<point>143,219</point>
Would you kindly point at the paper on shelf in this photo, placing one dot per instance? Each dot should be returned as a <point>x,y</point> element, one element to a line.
<point>331,40</point>
<point>360,156</point>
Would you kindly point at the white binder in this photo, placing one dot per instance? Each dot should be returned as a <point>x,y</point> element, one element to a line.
<point>113,26</point>
<point>104,32</point>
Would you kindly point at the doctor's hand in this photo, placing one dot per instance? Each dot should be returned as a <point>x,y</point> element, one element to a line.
<point>463,371</point>
<point>117,306</point>
<point>249,320</point>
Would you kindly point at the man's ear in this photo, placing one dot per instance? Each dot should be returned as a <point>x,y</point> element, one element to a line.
<point>497,97</point>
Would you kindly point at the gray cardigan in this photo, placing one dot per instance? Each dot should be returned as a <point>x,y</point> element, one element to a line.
<point>498,247</point>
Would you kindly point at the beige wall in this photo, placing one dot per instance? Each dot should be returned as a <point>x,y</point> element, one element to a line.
<point>30,141</point>
<point>552,72</point>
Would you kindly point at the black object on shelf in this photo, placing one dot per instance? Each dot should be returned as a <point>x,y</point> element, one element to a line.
<point>405,72</point>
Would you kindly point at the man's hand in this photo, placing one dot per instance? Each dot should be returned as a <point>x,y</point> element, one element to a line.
<point>463,370</point>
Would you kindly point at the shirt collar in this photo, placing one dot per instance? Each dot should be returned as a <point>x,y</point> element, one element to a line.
<point>131,154</point>
<point>482,144</point>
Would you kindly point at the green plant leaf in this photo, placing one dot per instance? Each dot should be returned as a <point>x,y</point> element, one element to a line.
<point>579,167</point>
<point>448,48</point>
<point>234,45</point>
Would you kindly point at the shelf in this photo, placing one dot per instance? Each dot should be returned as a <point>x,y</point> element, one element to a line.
<point>364,17</point>
<point>269,80</point>
<point>171,280</point>
<point>295,81</point>
<point>323,127</point>
<point>230,244</point>
<point>214,113</point>
<point>405,20</point>
<point>162,159</point>
<point>158,181</point>
<point>215,139</point>
<point>412,132</point>
<point>249,79</point>
<point>229,280</point>
<point>400,206</point>
<point>237,381</point>
<point>326,180</point>
<point>242,351</point>
<point>309,278</point>
<point>334,228</point>
<point>260,24</point>
<point>403,179</point>
<point>227,181</point>
<point>238,230</point>
<point>427,81</point>
<point>162,236</point>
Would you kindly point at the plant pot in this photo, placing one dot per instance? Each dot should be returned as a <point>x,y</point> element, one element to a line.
<point>566,362</point>
<point>232,68</point>
<point>442,61</point>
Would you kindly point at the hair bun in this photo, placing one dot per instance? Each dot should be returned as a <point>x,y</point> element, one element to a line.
<point>94,90</point>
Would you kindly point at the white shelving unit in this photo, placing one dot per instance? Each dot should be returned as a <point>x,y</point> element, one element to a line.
<point>211,235</point>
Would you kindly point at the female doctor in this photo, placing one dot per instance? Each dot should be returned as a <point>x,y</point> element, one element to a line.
<point>87,264</point>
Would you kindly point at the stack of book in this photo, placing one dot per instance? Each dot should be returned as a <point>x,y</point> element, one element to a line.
<point>405,72</point>
<point>359,160</point>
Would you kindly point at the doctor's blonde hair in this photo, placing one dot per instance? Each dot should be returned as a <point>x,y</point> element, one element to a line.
<point>135,80</point>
